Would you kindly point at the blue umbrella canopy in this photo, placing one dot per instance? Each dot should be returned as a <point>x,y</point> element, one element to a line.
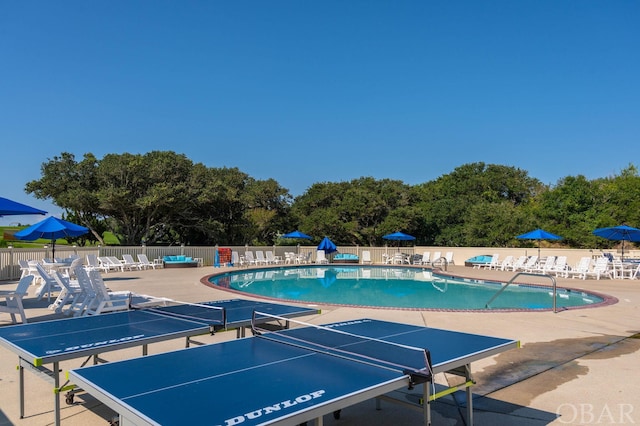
<point>539,234</point>
<point>297,234</point>
<point>399,236</point>
<point>13,208</point>
<point>51,228</point>
<point>327,245</point>
<point>619,233</point>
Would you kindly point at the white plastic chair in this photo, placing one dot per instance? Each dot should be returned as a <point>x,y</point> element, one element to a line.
<point>13,299</point>
<point>320,257</point>
<point>581,269</point>
<point>249,258</point>
<point>129,263</point>
<point>48,284</point>
<point>70,291</point>
<point>273,259</point>
<point>105,300</point>
<point>366,257</point>
<point>449,258</point>
<point>260,259</point>
<point>144,262</point>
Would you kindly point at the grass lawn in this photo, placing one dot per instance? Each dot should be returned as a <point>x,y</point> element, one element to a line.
<point>7,231</point>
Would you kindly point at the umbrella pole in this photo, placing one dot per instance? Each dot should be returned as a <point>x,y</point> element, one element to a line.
<point>53,249</point>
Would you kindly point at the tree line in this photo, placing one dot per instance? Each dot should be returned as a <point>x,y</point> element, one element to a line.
<point>162,197</point>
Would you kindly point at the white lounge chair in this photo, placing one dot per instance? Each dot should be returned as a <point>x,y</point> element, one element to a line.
<point>94,263</point>
<point>70,272</point>
<point>129,263</point>
<point>13,299</point>
<point>70,291</point>
<point>320,257</point>
<point>85,298</point>
<point>250,258</point>
<point>272,258</point>
<point>632,273</point>
<point>544,267</point>
<point>105,300</point>
<point>366,257</point>
<point>530,263</point>
<point>494,263</point>
<point>582,268</point>
<point>600,269</point>
<point>506,263</point>
<point>260,259</point>
<point>518,264</point>
<point>426,257</point>
<point>560,268</point>
<point>106,264</point>
<point>437,258</point>
<point>48,284</point>
<point>449,258</point>
<point>24,268</point>
<point>144,262</point>
<point>116,263</point>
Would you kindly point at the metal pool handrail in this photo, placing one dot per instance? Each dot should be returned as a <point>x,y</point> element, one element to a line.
<point>553,282</point>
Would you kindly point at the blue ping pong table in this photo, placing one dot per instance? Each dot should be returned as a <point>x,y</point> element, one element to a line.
<point>287,377</point>
<point>50,342</point>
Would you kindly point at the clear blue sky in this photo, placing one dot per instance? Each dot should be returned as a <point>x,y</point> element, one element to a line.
<point>307,92</point>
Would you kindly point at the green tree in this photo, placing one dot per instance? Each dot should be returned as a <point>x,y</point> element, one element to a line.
<point>355,212</point>
<point>456,206</point>
<point>571,209</point>
<point>72,186</point>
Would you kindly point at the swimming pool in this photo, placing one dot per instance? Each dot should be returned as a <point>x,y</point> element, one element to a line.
<point>394,287</point>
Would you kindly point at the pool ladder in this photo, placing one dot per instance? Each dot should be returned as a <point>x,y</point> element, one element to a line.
<point>553,282</point>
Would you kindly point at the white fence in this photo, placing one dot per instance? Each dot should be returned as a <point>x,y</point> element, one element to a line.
<point>10,269</point>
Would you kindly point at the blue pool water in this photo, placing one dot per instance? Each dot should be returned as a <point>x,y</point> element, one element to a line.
<point>393,287</point>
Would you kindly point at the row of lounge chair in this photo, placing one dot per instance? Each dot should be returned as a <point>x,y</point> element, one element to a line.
<point>87,294</point>
<point>601,267</point>
<point>99,263</point>
<point>259,258</point>
<point>424,259</point>
<point>111,263</point>
<point>80,292</point>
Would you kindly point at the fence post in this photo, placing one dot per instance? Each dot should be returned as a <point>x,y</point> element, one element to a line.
<point>10,264</point>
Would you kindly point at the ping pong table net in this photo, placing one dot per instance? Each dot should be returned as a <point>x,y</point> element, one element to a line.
<point>410,361</point>
<point>214,316</point>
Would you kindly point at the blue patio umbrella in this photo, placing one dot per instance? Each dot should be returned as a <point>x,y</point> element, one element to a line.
<point>619,233</point>
<point>399,236</point>
<point>539,234</point>
<point>13,208</point>
<point>51,228</point>
<point>327,245</point>
<point>297,234</point>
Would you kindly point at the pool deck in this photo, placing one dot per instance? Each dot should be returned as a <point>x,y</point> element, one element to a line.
<point>575,367</point>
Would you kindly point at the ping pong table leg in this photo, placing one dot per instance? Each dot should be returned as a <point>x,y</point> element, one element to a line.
<point>426,405</point>
<point>21,379</point>
<point>56,393</point>
<point>469,378</point>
